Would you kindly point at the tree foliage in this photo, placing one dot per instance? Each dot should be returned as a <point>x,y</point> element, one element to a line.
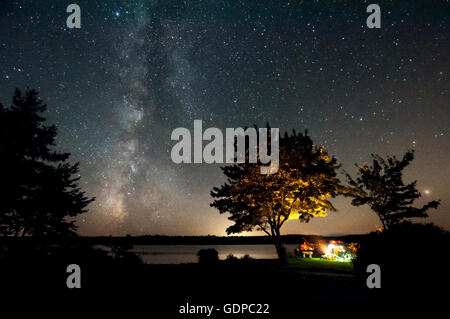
<point>301,189</point>
<point>38,185</point>
<point>381,187</point>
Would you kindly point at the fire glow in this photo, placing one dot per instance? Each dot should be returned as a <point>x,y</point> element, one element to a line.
<point>338,252</point>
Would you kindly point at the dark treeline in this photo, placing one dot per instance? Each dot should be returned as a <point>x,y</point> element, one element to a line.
<point>193,240</point>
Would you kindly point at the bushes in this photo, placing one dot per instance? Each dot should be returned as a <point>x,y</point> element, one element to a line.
<point>211,256</point>
<point>412,260</point>
<point>231,259</point>
<point>208,256</point>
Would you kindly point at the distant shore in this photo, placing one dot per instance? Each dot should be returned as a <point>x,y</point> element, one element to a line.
<point>194,240</point>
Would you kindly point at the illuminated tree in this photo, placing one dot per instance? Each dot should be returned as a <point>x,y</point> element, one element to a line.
<point>381,187</point>
<point>300,189</point>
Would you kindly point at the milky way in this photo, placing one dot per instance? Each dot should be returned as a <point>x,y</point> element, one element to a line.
<point>117,87</point>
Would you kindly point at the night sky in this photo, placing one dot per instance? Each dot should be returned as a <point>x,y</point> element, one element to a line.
<point>136,70</point>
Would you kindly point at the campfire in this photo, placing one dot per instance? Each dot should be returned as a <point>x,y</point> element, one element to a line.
<point>336,250</point>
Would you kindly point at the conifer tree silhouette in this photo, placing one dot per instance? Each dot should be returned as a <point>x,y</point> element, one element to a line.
<point>38,186</point>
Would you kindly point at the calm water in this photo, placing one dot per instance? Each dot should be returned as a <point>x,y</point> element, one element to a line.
<point>177,254</point>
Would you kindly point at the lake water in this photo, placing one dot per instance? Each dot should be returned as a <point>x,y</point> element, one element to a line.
<point>178,254</point>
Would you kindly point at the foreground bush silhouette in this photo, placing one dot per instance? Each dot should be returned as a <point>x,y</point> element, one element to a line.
<point>208,256</point>
<point>33,270</point>
<point>412,258</point>
<point>121,253</point>
<point>246,259</point>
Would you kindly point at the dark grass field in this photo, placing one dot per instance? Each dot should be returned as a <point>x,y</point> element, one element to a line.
<point>302,287</point>
<point>320,264</point>
<point>163,289</point>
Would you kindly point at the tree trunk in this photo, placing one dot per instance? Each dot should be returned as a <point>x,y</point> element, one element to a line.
<point>281,250</point>
<point>384,222</point>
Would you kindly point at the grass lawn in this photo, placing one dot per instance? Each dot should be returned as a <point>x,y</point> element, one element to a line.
<point>320,263</point>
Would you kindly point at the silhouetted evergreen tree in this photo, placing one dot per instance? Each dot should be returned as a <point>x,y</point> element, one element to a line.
<point>381,187</point>
<point>301,189</point>
<point>38,186</point>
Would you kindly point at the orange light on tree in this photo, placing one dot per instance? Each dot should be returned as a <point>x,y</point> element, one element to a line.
<point>301,189</point>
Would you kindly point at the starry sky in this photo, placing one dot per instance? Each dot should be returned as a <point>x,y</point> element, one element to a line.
<point>136,70</point>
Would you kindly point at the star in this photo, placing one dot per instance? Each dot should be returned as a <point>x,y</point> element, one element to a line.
<point>118,87</point>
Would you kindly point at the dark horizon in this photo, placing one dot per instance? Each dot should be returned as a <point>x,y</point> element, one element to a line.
<point>207,240</point>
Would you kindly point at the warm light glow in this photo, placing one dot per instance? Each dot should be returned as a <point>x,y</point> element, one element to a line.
<point>337,251</point>
<point>306,247</point>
